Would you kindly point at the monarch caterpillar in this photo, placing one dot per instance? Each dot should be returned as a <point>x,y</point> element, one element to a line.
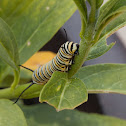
<point>61,62</point>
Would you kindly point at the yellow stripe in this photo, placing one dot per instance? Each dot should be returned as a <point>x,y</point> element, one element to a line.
<point>63,52</point>
<point>62,59</point>
<point>34,79</point>
<point>45,72</point>
<point>69,47</point>
<point>49,70</point>
<point>52,67</point>
<point>37,75</point>
<point>40,73</point>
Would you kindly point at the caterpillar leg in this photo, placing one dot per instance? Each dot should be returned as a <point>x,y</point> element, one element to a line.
<point>69,68</point>
<point>73,61</point>
<point>70,62</point>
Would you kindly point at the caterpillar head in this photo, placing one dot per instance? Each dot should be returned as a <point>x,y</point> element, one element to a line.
<point>75,48</point>
<point>71,48</point>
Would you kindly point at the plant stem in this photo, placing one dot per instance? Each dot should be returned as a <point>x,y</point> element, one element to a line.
<point>92,14</point>
<point>85,45</point>
<point>86,38</point>
<point>83,14</point>
<point>8,93</point>
<point>16,79</point>
<point>79,60</point>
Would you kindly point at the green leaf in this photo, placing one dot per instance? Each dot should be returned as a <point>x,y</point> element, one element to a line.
<point>82,8</point>
<point>4,77</point>
<point>114,25</point>
<point>104,78</point>
<point>3,71</point>
<point>109,9</point>
<point>34,22</point>
<point>63,93</point>
<point>11,114</point>
<point>7,81</point>
<point>44,115</point>
<point>99,49</point>
<point>8,46</point>
<point>9,50</point>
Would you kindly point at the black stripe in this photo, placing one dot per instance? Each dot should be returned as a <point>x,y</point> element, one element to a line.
<point>50,69</point>
<point>65,48</point>
<point>60,54</point>
<point>71,47</point>
<point>43,73</point>
<point>47,71</point>
<point>36,79</point>
<point>68,47</point>
<point>59,65</point>
<point>56,67</point>
<point>53,65</point>
<point>40,75</point>
<point>58,60</point>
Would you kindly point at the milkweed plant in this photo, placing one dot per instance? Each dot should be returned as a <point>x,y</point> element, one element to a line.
<point>25,27</point>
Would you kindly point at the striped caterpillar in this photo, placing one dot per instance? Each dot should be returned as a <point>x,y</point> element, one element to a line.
<point>61,62</point>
